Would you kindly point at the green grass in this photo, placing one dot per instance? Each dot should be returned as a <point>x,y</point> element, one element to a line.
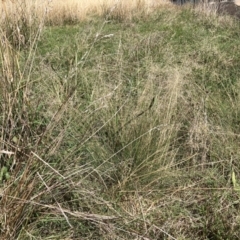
<point>123,129</point>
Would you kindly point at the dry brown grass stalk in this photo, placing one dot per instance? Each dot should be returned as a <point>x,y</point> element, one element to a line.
<point>59,12</point>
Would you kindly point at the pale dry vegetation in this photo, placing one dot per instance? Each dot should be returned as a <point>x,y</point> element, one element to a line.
<point>70,11</point>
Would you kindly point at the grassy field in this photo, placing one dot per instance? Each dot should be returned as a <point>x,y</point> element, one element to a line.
<point>57,12</point>
<point>121,123</point>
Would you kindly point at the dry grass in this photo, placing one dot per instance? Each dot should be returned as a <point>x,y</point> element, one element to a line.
<point>132,136</point>
<point>61,11</point>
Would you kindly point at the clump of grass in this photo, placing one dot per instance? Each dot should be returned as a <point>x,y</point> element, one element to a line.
<point>132,132</point>
<point>17,134</point>
<point>29,140</point>
<point>21,21</point>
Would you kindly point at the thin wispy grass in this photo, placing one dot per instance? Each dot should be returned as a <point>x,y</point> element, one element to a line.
<point>72,11</point>
<point>120,127</point>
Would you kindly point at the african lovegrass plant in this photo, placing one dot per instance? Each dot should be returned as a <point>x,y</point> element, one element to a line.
<point>122,128</point>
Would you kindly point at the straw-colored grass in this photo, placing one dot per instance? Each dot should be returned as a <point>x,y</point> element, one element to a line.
<point>59,11</point>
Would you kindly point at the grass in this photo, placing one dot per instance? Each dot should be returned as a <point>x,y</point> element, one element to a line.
<point>123,125</point>
<point>58,12</point>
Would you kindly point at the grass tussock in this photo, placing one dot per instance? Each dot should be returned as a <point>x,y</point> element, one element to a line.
<point>119,129</point>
